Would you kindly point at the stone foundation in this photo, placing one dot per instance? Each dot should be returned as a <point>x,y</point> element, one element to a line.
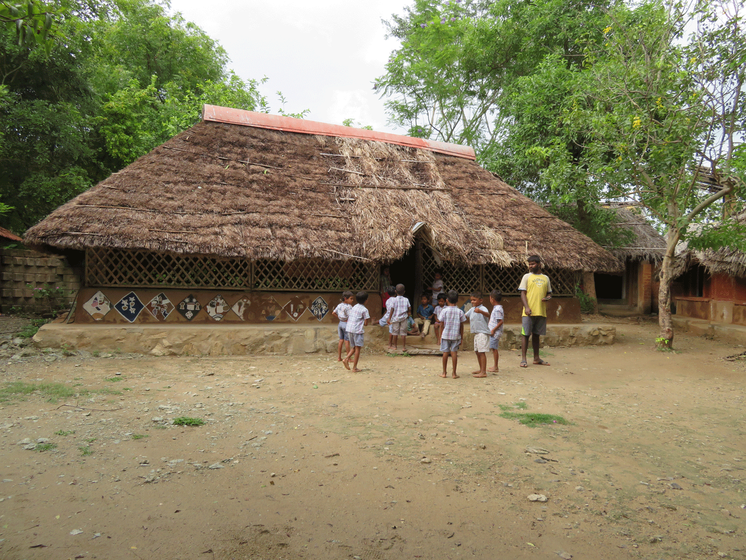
<point>234,340</point>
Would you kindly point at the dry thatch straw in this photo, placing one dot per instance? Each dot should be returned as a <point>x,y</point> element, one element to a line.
<point>725,260</point>
<point>646,243</point>
<point>235,190</point>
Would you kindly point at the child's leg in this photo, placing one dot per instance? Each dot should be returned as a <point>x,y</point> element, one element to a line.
<point>404,342</point>
<point>356,358</point>
<point>496,356</point>
<point>425,328</point>
<point>454,355</point>
<point>482,359</point>
<point>445,364</point>
<point>339,350</point>
<point>347,346</point>
<point>479,364</point>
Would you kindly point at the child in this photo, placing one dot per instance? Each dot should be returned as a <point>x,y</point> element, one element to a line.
<point>357,318</point>
<point>437,286</point>
<point>390,293</point>
<point>453,329</point>
<point>341,312</point>
<point>478,315</point>
<point>397,317</point>
<point>438,326</point>
<point>412,329</point>
<point>424,315</point>
<point>496,326</point>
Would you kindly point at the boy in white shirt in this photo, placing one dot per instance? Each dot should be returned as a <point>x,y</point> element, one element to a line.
<point>397,317</point>
<point>478,316</point>
<point>496,326</point>
<point>341,312</point>
<point>356,320</point>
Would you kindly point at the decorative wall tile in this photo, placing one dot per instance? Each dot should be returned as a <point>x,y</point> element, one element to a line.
<point>217,308</point>
<point>189,307</point>
<point>319,308</point>
<point>160,307</point>
<point>295,308</point>
<point>241,308</point>
<point>130,306</point>
<point>98,306</point>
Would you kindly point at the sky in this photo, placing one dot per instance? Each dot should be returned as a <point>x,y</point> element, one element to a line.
<point>322,55</point>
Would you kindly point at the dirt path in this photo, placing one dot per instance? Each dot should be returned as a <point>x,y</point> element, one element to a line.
<point>299,458</point>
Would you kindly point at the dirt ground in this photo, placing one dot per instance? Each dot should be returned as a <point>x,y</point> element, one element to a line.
<point>301,459</point>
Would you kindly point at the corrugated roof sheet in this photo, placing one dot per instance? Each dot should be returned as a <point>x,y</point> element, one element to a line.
<point>213,113</point>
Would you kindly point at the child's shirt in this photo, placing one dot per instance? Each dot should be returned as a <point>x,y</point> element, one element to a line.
<point>437,289</point>
<point>496,316</point>
<point>401,308</point>
<point>356,319</point>
<point>452,317</point>
<point>437,310</point>
<point>425,311</point>
<point>477,321</point>
<point>342,311</point>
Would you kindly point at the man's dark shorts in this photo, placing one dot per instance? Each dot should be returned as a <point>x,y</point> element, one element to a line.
<point>534,325</point>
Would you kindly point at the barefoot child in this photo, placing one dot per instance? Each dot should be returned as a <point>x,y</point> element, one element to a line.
<point>478,316</point>
<point>438,326</point>
<point>397,317</point>
<point>453,329</point>
<point>341,312</point>
<point>391,293</point>
<point>356,320</point>
<point>496,326</point>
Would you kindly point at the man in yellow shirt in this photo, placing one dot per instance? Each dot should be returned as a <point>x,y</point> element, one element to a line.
<point>535,291</point>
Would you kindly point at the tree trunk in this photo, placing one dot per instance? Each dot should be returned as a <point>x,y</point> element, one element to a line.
<point>589,288</point>
<point>665,321</point>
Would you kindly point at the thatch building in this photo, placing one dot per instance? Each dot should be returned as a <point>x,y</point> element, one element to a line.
<point>634,289</point>
<point>248,217</point>
<point>711,283</point>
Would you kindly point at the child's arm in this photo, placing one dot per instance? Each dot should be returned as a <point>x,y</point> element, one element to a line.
<point>366,322</point>
<point>482,311</point>
<point>335,314</point>
<point>499,324</point>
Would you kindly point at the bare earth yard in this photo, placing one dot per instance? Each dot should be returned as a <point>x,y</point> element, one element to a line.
<point>300,458</point>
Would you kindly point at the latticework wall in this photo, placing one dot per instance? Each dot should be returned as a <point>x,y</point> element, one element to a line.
<point>114,268</point>
<point>490,277</point>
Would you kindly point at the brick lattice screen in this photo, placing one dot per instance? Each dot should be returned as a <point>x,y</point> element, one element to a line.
<point>21,267</point>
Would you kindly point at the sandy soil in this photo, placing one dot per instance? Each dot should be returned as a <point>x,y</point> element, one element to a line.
<point>300,458</point>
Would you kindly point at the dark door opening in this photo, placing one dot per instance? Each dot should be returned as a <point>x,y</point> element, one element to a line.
<point>609,286</point>
<point>404,271</point>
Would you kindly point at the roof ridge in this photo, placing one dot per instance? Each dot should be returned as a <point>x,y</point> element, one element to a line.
<point>241,117</point>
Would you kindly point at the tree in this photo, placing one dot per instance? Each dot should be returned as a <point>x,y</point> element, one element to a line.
<point>31,20</point>
<point>666,116</point>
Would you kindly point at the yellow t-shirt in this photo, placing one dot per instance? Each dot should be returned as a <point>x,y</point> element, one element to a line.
<point>537,287</point>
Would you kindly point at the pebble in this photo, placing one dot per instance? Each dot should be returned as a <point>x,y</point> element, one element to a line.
<point>426,460</point>
<point>537,498</point>
<point>76,531</point>
<point>215,466</point>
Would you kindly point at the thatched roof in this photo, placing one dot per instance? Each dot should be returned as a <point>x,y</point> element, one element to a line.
<point>646,243</point>
<point>7,234</point>
<point>239,184</point>
<point>725,260</point>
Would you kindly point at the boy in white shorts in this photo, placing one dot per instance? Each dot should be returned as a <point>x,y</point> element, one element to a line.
<point>478,316</point>
<point>397,317</point>
<point>453,320</point>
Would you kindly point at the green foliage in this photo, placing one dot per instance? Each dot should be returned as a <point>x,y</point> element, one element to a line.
<point>85,450</point>
<point>139,436</point>
<point>32,22</point>
<point>187,421</point>
<point>533,419</point>
<point>42,447</point>
<point>587,303</point>
<point>31,329</point>
<point>64,432</point>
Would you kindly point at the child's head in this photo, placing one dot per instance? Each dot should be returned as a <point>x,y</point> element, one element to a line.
<point>391,291</point>
<point>348,296</point>
<point>438,275</point>
<point>425,299</point>
<point>361,297</point>
<point>495,297</point>
<point>441,299</point>
<point>476,299</point>
<point>400,290</point>
<point>385,270</point>
<point>453,297</point>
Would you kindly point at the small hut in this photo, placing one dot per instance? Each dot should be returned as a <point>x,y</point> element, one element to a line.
<point>711,283</point>
<point>633,290</point>
<point>254,218</point>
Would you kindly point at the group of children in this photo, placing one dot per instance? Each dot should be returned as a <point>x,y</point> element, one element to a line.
<point>446,318</point>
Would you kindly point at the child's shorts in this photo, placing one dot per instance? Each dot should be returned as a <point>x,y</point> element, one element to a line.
<point>382,322</point>
<point>399,328</point>
<point>342,331</point>
<point>356,339</point>
<point>495,342</point>
<point>449,345</point>
<point>481,342</point>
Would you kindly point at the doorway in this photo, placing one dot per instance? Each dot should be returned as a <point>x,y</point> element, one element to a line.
<point>406,271</point>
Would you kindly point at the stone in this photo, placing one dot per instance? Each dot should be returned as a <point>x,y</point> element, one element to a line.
<point>426,460</point>
<point>537,498</point>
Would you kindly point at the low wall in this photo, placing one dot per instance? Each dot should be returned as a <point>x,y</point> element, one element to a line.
<point>708,309</point>
<point>21,267</point>
<point>219,340</point>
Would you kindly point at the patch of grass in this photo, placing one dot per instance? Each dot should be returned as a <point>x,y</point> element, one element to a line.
<point>187,421</point>
<point>90,440</point>
<point>521,405</point>
<point>52,391</point>
<point>398,355</point>
<point>64,433</point>
<point>107,391</point>
<point>85,450</point>
<point>95,353</point>
<point>533,419</point>
<point>42,447</point>
<point>139,436</point>
<point>30,330</point>
<point>114,379</point>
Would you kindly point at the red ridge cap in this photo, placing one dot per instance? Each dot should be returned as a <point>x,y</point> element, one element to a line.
<point>213,113</point>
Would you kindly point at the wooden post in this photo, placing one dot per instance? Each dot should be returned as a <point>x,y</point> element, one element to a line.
<point>589,288</point>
